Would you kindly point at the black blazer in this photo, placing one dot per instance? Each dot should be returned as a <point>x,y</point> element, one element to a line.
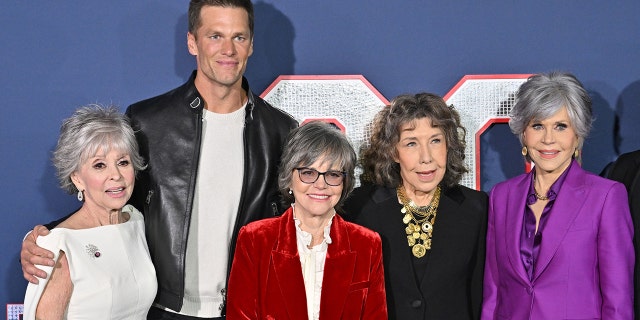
<point>626,169</point>
<point>450,287</point>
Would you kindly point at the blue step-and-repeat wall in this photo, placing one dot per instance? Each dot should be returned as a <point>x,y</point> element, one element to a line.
<point>58,55</point>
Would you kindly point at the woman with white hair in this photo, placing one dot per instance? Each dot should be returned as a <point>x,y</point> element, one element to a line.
<point>103,269</point>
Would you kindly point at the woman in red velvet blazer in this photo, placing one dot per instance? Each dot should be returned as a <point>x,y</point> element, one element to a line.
<point>309,263</point>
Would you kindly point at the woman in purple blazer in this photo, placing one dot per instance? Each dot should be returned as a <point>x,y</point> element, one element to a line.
<point>559,239</point>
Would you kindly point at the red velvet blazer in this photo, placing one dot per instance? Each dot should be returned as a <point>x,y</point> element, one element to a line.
<point>266,276</point>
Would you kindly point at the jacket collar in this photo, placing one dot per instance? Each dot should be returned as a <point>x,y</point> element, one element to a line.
<point>194,99</point>
<point>566,210</point>
<point>557,226</point>
<point>338,270</point>
<point>251,99</point>
<point>514,218</point>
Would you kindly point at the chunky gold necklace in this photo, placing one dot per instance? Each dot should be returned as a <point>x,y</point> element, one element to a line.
<point>419,221</point>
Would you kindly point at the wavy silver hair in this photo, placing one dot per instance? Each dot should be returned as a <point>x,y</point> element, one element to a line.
<point>378,158</point>
<point>90,129</point>
<point>545,94</point>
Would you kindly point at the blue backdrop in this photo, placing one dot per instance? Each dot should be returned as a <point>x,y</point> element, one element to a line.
<point>58,55</point>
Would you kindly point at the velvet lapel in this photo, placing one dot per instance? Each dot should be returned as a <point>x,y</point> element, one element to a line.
<point>514,212</point>
<point>338,271</point>
<point>562,215</point>
<point>287,268</point>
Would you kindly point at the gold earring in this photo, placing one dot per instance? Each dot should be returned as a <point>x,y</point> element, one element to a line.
<point>576,154</point>
<point>524,151</point>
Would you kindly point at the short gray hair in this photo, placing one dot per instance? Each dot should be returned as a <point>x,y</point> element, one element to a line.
<point>306,145</point>
<point>545,94</point>
<point>90,129</point>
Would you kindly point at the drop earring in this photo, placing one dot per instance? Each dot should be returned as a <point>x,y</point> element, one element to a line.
<point>524,151</point>
<point>80,196</point>
<point>290,191</point>
<point>576,154</point>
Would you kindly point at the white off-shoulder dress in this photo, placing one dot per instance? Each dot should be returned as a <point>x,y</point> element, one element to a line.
<point>110,267</point>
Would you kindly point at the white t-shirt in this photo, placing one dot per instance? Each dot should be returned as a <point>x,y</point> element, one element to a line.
<point>215,206</point>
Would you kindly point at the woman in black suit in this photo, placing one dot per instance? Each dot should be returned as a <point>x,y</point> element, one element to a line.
<point>432,229</point>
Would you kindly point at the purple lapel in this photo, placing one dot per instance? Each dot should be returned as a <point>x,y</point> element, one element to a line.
<point>514,212</point>
<point>564,212</point>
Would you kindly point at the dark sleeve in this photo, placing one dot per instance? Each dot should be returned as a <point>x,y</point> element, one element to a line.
<point>352,207</point>
<point>140,193</point>
<point>477,275</point>
<point>624,169</point>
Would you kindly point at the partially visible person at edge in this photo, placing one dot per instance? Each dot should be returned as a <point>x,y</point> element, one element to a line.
<point>432,228</point>
<point>213,149</point>
<point>102,265</point>
<point>626,169</point>
<point>559,239</point>
<point>309,263</point>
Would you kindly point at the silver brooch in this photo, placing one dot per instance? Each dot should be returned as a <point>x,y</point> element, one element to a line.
<point>93,251</point>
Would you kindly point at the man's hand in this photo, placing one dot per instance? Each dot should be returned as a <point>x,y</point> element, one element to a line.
<point>32,255</point>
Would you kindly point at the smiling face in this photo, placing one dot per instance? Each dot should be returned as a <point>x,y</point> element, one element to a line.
<point>551,143</point>
<point>316,199</point>
<point>222,45</point>
<point>106,180</point>
<point>422,156</point>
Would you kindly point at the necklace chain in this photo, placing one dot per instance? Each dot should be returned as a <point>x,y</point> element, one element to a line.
<point>540,197</point>
<point>419,220</point>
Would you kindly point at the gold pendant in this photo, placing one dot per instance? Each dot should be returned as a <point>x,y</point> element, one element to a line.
<point>419,222</point>
<point>418,250</point>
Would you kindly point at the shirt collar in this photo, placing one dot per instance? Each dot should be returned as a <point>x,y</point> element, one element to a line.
<point>555,187</point>
<point>306,236</point>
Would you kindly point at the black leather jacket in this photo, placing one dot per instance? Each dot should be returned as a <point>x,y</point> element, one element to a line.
<point>168,129</point>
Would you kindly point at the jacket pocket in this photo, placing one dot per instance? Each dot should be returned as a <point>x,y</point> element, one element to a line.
<point>356,298</point>
<point>359,286</point>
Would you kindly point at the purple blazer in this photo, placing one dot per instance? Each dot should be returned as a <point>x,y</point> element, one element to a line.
<point>585,266</point>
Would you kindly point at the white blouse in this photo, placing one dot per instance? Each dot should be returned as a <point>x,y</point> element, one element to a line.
<point>312,261</point>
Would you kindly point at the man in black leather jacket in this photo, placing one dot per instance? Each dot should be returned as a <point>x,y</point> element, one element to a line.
<point>170,134</point>
<point>169,137</point>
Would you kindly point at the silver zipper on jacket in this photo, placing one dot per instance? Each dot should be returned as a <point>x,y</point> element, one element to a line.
<point>149,195</point>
